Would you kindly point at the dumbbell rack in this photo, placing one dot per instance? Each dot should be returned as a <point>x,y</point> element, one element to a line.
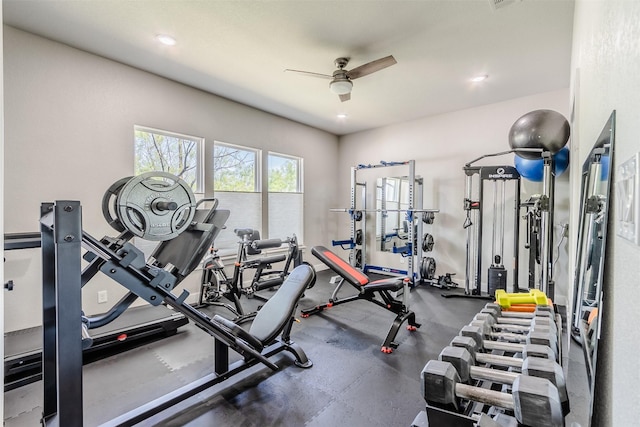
<point>495,410</point>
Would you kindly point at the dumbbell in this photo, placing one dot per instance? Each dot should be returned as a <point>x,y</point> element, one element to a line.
<point>517,325</point>
<point>540,310</point>
<point>534,401</point>
<point>538,335</point>
<point>532,338</point>
<point>464,361</point>
<point>542,334</point>
<point>525,351</point>
<point>534,296</point>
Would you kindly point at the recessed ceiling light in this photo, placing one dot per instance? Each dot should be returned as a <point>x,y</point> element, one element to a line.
<point>478,79</point>
<point>341,116</point>
<point>166,40</point>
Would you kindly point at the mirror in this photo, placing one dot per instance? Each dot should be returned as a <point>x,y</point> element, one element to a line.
<point>592,238</point>
<point>392,196</point>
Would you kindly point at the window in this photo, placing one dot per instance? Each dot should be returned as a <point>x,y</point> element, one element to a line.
<point>241,178</point>
<point>285,196</point>
<point>157,150</point>
<point>284,173</point>
<point>236,184</point>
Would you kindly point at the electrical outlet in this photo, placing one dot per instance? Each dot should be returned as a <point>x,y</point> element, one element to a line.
<point>102,297</point>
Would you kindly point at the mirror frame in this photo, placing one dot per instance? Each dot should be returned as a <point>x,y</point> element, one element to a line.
<point>595,205</point>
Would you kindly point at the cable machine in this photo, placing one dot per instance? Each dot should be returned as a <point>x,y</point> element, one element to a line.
<point>499,177</point>
<point>476,179</point>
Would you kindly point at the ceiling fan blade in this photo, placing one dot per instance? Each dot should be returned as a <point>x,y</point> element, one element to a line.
<point>310,74</point>
<point>371,67</point>
<point>345,97</point>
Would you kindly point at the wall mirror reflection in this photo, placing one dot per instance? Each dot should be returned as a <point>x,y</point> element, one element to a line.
<point>393,196</point>
<point>592,237</point>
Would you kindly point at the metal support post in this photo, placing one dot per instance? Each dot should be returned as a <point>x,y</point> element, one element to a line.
<point>546,225</point>
<point>62,331</point>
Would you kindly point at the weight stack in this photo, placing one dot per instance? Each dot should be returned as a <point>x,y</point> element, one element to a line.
<point>497,279</point>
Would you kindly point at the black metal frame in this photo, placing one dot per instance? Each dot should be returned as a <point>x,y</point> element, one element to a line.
<point>61,287</point>
<point>490,173</point>
<point>62,239</point>
<point>264,277</point>
<point>26,367</point>
<point>368,292</point>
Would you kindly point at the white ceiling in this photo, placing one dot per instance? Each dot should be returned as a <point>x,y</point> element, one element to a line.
<point>240,49</point>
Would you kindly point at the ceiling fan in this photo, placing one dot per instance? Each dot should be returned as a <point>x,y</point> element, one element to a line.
<point>341,80</point>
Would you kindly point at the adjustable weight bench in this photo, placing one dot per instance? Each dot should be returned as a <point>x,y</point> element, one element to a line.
<point>367,290</point>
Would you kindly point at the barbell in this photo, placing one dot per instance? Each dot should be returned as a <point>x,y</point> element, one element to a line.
<point>428,215</point>
<point>154,206</point>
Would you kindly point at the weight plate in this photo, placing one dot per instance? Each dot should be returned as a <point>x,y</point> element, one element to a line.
<point>357,215</point>
<point>156,206</point>
<point>358,255</point>
<point>428,268</point>
<point>359,237</point>
<point>109,209</point>
<point>427,242</point>
<point>428,217</point>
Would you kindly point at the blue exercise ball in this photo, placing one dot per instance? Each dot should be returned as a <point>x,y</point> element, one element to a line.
<point>530,169</point>
<point>533,169</point>
<point>604,168</point>
<point>545,129</point>
<point>561,161</point>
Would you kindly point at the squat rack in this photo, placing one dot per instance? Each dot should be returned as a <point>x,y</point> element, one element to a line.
<point>415,200</point>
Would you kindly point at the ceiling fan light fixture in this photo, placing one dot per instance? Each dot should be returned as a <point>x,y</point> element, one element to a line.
<point>341,87</point>
<point>166,39</point>
<point>480,78</point>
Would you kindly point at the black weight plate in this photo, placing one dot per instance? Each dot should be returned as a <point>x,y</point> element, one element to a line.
<point>428,268</point>
<point>428,217</point>
<point>358,237</point>
<point>109,209</point>
<point>427,242</point>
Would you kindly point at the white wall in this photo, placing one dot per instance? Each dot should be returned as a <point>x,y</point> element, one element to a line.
<point>1,198</point>
<point>441,145</point>
<point>605,76</point>
<point>69,131</point>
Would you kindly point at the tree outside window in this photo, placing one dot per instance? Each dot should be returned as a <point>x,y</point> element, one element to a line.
<point>234,168</point>
<point>284,174</point>
<point>234,177</point>
<point>167,152</point>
